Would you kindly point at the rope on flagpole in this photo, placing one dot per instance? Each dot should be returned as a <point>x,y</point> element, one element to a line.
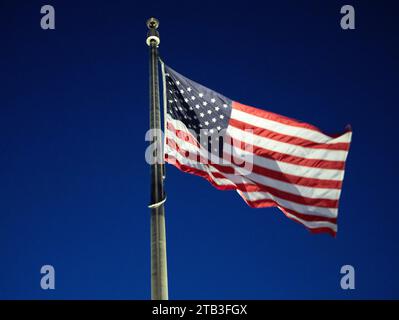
<point>158,204</point>
<point>164,115</point>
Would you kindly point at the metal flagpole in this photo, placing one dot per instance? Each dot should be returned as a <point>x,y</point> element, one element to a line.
<point>159,276</point>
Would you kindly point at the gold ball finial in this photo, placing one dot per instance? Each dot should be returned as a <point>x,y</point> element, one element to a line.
<point>152,23</point>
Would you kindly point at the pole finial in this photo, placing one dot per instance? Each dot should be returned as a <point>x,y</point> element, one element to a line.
<point>153,34</point>
<point>152,23</point>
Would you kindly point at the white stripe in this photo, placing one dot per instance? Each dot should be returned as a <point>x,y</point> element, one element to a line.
<point>300,208</point>
<point>286,148</point>
<point>286,129</point>
<point>313,224</point>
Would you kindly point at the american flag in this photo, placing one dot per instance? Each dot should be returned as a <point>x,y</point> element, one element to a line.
<point>269,159</point>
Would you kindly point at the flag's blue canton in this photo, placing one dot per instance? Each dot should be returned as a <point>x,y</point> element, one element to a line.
<point>198,107</point>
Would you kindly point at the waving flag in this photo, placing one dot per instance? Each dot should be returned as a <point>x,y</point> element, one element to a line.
<point>271,160</point>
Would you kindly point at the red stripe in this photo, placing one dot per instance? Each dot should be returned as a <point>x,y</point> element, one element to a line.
<point>267,203</point>
<point>323,203</point>
<point>279,118</point>
<point>263,132</point>
<point>256,186</point>
<point>323,230</point>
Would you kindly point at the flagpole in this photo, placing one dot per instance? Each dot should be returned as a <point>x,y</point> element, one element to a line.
<point>159,276</point>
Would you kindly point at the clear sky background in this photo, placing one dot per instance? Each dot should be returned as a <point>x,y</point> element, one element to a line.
<point>74,184</point>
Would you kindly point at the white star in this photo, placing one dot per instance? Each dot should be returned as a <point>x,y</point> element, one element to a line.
<point>201,115</point>
<point>177,82</point>
<point>225,106</point>
<point>214,120</point>
<point>221,116</point>
<point>188,89</point>
<point>217,108</point>
<point>205,103</point>
<point>197,106</point>
<point>213,100</point>
<point>192,98</point>
<point>209,111</point>
<point>185,99</point>
<point>218,127</point>
<point>201,95</point>
<point>182,91</point>
<point>206,123</point>
<point>211,131</point>
<point>170,101</point>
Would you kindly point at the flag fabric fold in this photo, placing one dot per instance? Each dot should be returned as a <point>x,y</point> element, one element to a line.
<point>269,159</point>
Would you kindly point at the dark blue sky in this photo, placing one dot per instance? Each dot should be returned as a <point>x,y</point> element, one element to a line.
<point>74,184</point>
